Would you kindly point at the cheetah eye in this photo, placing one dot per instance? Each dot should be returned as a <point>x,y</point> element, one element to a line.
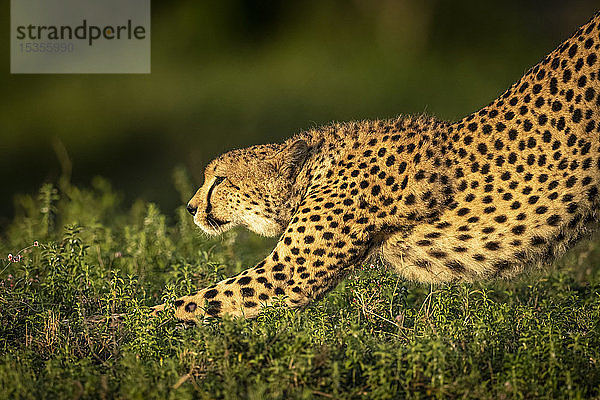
<point>218,179</point>
<point>216,182</point>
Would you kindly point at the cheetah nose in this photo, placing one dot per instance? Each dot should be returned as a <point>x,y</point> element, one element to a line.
<point>191,209</point>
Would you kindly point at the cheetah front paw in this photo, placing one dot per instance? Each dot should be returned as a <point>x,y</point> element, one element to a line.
<point>190,314</point>
<point>156,309</point>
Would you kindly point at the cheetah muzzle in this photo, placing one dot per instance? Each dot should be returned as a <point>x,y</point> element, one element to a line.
<point>510,186</point>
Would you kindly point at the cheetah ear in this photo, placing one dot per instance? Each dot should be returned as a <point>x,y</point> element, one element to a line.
<point>292,158</point>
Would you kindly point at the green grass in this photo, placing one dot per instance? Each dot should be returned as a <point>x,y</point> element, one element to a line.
<point>375,336</point>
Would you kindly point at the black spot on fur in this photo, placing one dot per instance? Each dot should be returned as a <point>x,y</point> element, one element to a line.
<point>244,280</point>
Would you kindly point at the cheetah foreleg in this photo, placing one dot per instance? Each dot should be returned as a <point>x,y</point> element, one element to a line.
<point>308,261</point>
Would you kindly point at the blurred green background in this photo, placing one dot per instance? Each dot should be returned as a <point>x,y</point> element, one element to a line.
<point>232,73</point>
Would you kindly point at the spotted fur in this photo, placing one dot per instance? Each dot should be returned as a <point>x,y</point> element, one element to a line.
<point>512,185</point>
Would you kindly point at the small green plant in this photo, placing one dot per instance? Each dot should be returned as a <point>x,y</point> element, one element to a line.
<point>73,258</point>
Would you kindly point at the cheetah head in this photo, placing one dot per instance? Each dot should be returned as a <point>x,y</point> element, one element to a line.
<point>253,187</point>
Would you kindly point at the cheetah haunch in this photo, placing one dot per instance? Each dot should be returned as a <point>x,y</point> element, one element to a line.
<point>512,185</point>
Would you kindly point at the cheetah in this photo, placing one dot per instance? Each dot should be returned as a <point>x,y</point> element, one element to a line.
<point>508,187</point>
